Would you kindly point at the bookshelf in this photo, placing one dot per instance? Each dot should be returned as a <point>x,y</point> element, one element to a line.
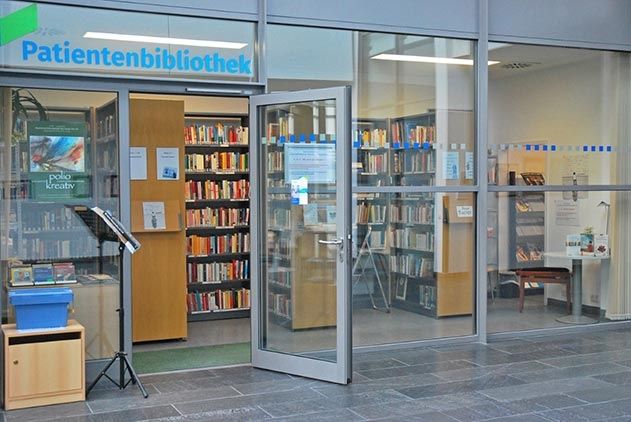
<point>527,236</point>
<point>217,191</point>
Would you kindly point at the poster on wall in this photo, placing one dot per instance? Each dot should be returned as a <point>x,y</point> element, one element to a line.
<point>168,163</point>
<point>138,163</point>
<point>58,168</point>
<point>566,213</point>
<point>153,216</point>
<point>451,165</point>
<point>316,162</point>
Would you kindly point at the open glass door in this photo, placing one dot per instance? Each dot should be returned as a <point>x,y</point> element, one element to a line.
<point>301,192</point>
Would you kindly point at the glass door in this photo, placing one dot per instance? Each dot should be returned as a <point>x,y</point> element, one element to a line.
<point>300,192</point>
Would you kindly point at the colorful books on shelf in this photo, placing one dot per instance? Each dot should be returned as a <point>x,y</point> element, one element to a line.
<point>275,161</point>
<point>409,238</point>
<point>214,190</point>
<point>412,133</point>
<point>217,134</point>
<point>43,274</point>
<point>218,217</point>
<point>21,275</point>
<point>374,163</point>
<point>411,265</point>
<point>218,300</point>
<point>280,304</point>
<point>64,273</point>
<point>218,272</point>
<point>370,213</point>
<point>208,245</point>
<point>375,138</point>
<point>417,214</point>
<point>217,161</point>
<point>427,297</point>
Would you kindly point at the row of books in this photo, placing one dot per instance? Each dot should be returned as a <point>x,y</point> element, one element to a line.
<point>419,214</point>
<point>17,190</point>
<point>234,161</point>
<point>61,218</point>
<point>411,239</point>
<point>402,132</point>
<point>279,276</point>
<point>376,138</point>
<point>412,265</point>
<point>370,213</point>
<point>275,161</point>
<point>106,126</point>
<point>218,272</point>
<point>277,244</point>
<point>218,217</point>
<point>208,245</point>
<point>530,230</point>
<point>217,134</point>
<point>42,274</point>
<point>421,161</point>
<point>38,248</point>
<point>528,252</point>
<point>218,300</point>
<point>279,218</point>
<point>374,163</point>
<point>427,297</point>
<point>280,304</point>
<point>222,189</point>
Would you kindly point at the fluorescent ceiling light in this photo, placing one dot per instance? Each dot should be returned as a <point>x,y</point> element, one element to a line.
<point>164,40</point>
<point>426,59</point>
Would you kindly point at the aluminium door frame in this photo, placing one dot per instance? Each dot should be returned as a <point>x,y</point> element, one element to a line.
<point>341,370</point>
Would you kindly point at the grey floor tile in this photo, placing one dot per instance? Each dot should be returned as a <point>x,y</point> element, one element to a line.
<point>621,378</point>
<point>481,412</point>
<point>176,376</point>
<point>383,384</point>
<point>482,383</point>
<point>591,412</point>
<point>377,364</point>
<point>184,396</point>
<point>543,403</point>
<point>530,417</point>
<point>541,389</point>
<point>415,369</point>
<point>130,391</point>
<point>570,372</point>
<point>604,394</point>
<point>332,415</point>
<point>478,371</point>
<point>128,415</point>
<point>44,413</point>
<point>243,414</point>
<point>423,417</point>
<point>279,385</point>
<point>247,401</point>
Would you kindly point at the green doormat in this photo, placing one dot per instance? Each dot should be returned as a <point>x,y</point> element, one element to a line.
<point>191,357</point>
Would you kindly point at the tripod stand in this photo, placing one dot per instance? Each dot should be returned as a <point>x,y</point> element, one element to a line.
<point>121,356</point>
<point>366,250</point>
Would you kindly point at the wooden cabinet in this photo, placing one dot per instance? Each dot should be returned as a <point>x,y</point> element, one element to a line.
<point>43,367</point>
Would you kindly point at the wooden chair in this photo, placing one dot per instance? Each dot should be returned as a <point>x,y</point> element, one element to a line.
<point>556,275</point>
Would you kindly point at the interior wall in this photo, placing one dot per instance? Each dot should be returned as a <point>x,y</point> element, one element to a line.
<point>560,105</point>
<point>204,103</point>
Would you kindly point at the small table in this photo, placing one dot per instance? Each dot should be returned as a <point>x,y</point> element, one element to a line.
<point>576,317</point>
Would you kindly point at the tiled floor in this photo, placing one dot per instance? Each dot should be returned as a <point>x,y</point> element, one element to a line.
<point>560,378</point>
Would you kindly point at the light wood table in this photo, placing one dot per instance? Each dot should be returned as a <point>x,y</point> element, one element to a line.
<point>43,367</point>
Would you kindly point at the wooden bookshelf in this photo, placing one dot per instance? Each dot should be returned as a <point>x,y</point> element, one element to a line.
<point>218,213</point>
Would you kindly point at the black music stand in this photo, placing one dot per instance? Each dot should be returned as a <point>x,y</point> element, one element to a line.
<point>106,228</point>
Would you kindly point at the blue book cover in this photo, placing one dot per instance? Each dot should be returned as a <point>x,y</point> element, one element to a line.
<point>43,274</point>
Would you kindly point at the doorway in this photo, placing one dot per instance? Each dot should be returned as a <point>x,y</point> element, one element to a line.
<point>190,209</point>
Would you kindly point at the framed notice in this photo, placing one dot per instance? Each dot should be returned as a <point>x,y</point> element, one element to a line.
<point>168,163</point>
<point>315,162</point>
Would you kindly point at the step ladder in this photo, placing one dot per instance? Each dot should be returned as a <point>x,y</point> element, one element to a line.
<point>366,256</point>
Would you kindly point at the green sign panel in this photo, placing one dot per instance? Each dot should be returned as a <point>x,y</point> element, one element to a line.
<point>18,24</point>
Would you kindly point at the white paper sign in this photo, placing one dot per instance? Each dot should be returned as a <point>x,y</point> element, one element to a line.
<point>464,211</point>
<point>316,162</point>
<point>468,165</point>
<point>153,215</point>
<point>566,213</point>
<point>138,163</point>
<point>168,163</point>
<point>299,191</point>
<point>451,165</point>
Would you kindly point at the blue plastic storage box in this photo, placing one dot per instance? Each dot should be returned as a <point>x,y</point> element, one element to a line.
<point>40,308</point>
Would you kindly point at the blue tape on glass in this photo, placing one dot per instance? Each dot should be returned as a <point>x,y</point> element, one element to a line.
<point>528,147</point>
<point>608,148</point>
<point>312,138</point>
<point>536,147</point>
<point>593,148</point>
<point>601,148</point>
<point>545,147</point>
<point>553,147</point>
<point>281,140</point>
<point>406,145</point>
<point>426,145</point>
<point>417,145</point>
<point>585,148</point>
<point>356,144</point>
<point>302,138</point>
<point>292,138</point>
<point>332,140</point>
<point>396,145</point>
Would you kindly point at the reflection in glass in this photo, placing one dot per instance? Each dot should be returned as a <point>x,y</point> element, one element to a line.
<point>298,294</point>
<point>60,148</point>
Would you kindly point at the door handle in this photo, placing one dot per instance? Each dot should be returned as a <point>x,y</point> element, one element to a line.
<point>331,242</point>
